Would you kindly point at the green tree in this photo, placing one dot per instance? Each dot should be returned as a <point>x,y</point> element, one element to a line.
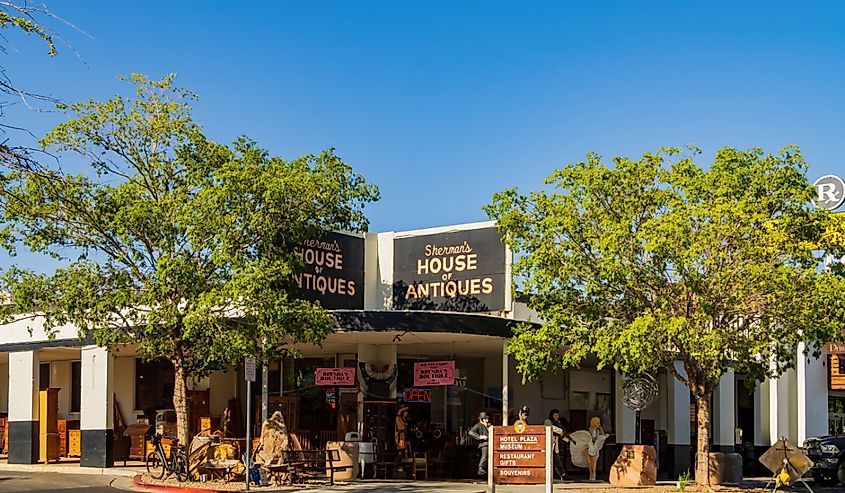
<point>659,259</point>
<point>174,243</point>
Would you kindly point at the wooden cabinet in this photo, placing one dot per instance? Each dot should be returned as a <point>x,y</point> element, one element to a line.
<point>74,443</point>
<point>4,433</point>
<point>209,424</point>
<point>65,427</point>
<point>137,434</point>
<point>198,403</point>
<point>48,425</point>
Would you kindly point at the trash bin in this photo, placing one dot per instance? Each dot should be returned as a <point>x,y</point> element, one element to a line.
<point>733,469</point>
<point>717,468</point>
<point>348,452</point>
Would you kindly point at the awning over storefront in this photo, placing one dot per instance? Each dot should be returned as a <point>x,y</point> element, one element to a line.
<point>422,321</point>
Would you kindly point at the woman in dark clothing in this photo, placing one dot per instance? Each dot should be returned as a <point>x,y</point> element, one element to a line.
<point>560,433</point>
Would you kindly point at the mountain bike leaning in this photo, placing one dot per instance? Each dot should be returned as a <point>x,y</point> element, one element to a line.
<point>160,466</point>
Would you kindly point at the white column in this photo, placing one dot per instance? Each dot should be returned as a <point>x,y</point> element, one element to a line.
<point>625,416</point>
<point>774,411</point>
<point>679,420</point>
<point>23,407</point>
<point>812,396</point>
<point>97,408</point>
<point>505,385</point>
<point>724,400</point>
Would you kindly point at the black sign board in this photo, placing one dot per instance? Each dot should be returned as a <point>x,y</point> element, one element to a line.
<point>461,271</point>
<point>334,271</point>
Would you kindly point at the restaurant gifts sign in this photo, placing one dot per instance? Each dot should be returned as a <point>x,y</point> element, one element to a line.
<point>461,270</point>
<point>432,373</point>
<point>520,454</point>
<point>334,377</point>
<point>334,271</point>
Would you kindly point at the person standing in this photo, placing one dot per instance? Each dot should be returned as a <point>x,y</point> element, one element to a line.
<point>401,433</point>
<point>480,431</point>
<point>597,438</point>
<point>523,414</point>
<point>558,434</point>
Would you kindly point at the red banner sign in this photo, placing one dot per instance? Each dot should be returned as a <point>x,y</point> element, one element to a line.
<point>434,373</point>
<point>335,377</point>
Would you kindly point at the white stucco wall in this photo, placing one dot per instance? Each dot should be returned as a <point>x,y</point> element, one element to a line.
<point>23,381</point>
<point>812,395</point>
<point>224,386</point>
<point>60,377</point>
<point>124,386</point>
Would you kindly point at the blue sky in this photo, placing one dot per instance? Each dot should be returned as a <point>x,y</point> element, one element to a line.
<point>441,104</point>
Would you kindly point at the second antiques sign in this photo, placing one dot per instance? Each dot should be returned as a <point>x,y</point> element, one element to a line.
<point>521,455</point>
<point>334,271</point>
<point>461,271</point>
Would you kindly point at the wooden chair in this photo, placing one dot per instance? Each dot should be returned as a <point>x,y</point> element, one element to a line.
<point>419,463</point>
<point>443,461</point>
<point>385,461</point>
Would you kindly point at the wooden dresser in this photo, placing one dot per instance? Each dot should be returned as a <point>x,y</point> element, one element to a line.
<point>74,443</point>
<point>65,427</point>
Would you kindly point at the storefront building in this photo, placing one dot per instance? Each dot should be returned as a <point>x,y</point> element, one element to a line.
<point>423,319</point>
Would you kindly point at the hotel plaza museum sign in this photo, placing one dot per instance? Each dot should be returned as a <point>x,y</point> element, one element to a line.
<point>520,454</point>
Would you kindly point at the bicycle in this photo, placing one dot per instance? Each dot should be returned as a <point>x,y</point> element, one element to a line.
<point>158,464</point>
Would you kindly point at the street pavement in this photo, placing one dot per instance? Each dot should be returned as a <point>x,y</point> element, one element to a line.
<point>44,482</point>
<point>37,482</point>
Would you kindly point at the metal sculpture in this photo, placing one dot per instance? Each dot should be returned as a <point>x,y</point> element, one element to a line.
<point>638,392</point>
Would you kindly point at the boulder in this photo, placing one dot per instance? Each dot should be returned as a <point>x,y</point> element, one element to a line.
<point>635,466</point>
<point>274,440</point>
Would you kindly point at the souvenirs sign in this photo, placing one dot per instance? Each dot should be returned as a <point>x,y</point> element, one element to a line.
<point>334,377</point>
<point>521,454</point>
<point>334,271</point>
<point>461,270</point>
<point>431,373</point>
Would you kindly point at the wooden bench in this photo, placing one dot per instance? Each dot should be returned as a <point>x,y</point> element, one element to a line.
<point>304,465</point>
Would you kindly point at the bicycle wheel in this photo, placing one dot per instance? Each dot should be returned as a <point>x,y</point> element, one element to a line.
<point>155,466</point>
<point>180,467</point>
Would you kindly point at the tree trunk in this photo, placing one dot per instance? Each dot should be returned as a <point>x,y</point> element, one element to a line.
<point>702,455</point>
<point>180,402</point>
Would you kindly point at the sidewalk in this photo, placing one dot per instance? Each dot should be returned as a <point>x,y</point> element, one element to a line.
<point>71,466</point>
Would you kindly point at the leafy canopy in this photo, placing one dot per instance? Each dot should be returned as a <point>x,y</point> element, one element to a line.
<point>170,240</point>
<point>659,258</point>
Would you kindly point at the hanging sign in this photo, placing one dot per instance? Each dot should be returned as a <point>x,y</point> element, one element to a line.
<point>432,373</point>
<point>460,271</point>
<point>334,377</point>
<point>830,192</point>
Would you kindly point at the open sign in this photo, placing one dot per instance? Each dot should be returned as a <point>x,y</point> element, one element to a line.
<point>413,394</point>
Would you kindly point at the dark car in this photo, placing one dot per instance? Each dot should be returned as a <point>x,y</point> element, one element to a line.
<point>828,456</point>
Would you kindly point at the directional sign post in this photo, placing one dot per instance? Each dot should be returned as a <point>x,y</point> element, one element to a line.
<point>520,454</point>
<point>249,376</point>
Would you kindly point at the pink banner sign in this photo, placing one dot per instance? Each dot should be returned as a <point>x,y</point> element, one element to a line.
<point>335,377</point>
<point>434,373</point>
